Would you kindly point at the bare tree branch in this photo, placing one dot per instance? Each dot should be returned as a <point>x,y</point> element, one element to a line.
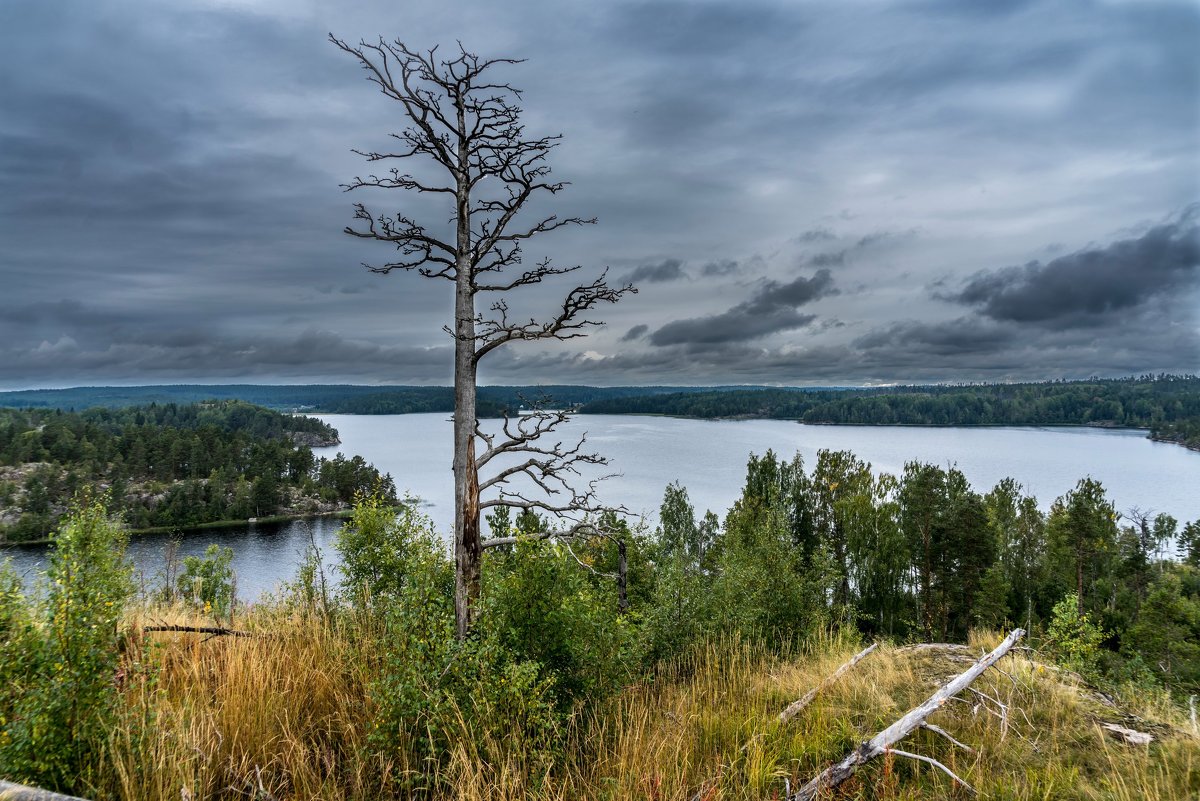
<point>567,324</point>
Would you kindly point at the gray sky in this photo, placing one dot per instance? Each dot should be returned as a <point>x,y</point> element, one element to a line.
<point>805,193</point>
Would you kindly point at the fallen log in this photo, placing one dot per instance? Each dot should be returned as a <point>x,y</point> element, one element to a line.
<point>212,631</point>
<point>796,707</point>
<point>882,742</point>
<point>19,792</point>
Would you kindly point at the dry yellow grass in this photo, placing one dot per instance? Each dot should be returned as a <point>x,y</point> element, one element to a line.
<point>291,710</point>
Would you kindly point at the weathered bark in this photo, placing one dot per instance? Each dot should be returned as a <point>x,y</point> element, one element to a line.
<point>467,551</point>
<point>882,742</point>
<point>19,792</point>
<point>796,707</point>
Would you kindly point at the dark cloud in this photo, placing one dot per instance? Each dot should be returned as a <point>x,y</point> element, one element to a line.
<point>835,259</point>
<point>962,336</point>
<point>773,308</point>
<point>1090,287</point>
<point>815,235</point>
<point>666,270</point>
<point>637,332</point>
<point>311,353</point>
<point>719,268</point>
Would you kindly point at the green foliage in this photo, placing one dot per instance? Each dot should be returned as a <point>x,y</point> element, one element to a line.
<point>763,585</point>
<point>1189,544</point>
<point>384,548</point>
<point>58,695</point>
<point>991,604</point>
<point>947,530</point>
<point>431,691</point>
<point>540,607</point>
<point>174,466</point>
<point>678,611</point>
<point>1167,632</point>
<point>208,581</point>
<point>1073,639</point>
<point>1082,537</point>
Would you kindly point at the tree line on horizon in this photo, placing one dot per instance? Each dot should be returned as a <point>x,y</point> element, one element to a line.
<point>1168,405</point>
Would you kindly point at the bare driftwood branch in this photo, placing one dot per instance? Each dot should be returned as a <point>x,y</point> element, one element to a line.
<point>882,742</point>
<point>796,707</point>
<point>19,792</point>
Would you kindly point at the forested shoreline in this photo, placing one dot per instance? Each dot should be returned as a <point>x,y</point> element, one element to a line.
<point>171,466</point>
<point>1167,405</point>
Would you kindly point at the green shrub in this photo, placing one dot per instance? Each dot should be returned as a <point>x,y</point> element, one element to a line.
<point>431,692</point>
<point>541,607</point>
<point>383,547</point>
<point>1073,639</point>
<point>208,581</point>
<point>58,692</point>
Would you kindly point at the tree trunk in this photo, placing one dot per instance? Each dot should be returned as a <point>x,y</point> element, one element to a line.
<point>1079,582</point>
<point>796,707</point>
<point>622,578</point>
<point>467,549</point>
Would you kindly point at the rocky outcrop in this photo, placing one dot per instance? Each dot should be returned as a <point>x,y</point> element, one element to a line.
<point>314,439</point>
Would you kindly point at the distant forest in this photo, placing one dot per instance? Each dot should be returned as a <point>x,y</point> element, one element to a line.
<point>331,398</point>
<point>1168,405</point>
<point>171,465</point>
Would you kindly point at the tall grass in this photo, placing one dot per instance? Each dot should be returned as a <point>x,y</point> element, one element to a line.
<point>288,715</point>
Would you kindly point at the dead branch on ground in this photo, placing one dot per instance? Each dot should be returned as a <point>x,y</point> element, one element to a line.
<point>796,707</point>
<point>882,742</point>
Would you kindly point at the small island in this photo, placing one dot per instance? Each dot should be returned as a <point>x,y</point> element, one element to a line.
<point>171,466</point>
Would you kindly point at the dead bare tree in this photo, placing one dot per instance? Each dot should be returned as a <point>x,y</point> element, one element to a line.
<point>468,125</point>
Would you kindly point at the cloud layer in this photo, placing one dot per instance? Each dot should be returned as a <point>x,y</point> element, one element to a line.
<point>804,193</point>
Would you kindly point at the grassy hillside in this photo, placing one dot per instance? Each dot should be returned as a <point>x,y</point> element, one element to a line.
<point>291,709</point>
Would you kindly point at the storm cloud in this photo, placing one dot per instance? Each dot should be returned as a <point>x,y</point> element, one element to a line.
<point>666,270</point>
<point>1088,287</point>
<point>774,307</point>
<point>637,332</point>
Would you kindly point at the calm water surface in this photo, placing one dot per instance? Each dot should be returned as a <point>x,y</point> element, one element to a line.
<point>709,458</point>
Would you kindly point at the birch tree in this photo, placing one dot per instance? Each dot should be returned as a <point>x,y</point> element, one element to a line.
<point>466,123</point>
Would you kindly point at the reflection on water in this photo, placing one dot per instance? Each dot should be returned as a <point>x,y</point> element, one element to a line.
<point>708,457</point>
<point>263,554</point>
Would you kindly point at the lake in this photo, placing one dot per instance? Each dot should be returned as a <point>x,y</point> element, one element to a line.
<point>709,458</point>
